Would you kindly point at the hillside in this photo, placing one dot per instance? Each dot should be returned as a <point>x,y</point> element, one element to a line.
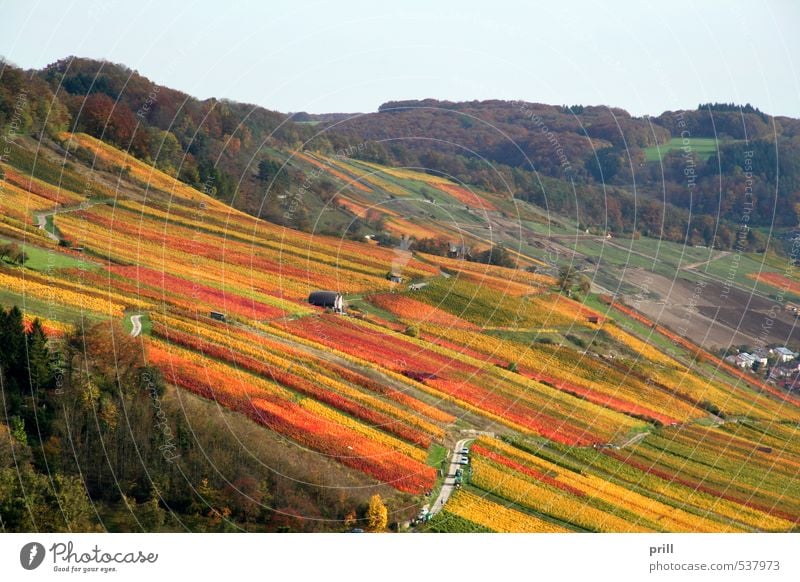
<point>508,291</point>
<point>675,176</point>
<point>591,420</point>
<point>629,174</point>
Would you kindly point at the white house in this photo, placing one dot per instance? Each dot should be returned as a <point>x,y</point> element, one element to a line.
<point>785,354</point>
<point>745,360</point>
<point>761,355</point>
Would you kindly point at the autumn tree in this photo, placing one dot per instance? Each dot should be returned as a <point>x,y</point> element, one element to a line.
<point>570,281</point>
<point>566,278</point>
<point>498,256</point>
<point>107,405</point>
<point>104,118</point>
<point>377,514</point>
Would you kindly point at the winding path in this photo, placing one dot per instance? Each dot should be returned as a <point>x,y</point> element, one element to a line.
<point>41,222</point>
<point>41,217</point>
<point>136,322</point>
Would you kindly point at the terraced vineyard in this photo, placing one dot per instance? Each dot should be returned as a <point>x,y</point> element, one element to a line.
<point>596,428</point>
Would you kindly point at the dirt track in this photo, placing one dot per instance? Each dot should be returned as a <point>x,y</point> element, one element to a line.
<point>706,315</point>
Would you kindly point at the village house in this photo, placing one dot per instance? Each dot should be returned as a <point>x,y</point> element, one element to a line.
<point>762,355</point>
<point>785,369</point>
<point>792,383</point>
<point>785,354</point>
<point>745,360</point>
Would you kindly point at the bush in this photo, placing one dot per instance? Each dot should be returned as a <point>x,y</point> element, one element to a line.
<point>578,341</point>
<point>709,406</point>
<point>12,253</point>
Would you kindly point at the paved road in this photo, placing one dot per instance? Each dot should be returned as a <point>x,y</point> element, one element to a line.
<point>449,484</point>
<point>136,322</point>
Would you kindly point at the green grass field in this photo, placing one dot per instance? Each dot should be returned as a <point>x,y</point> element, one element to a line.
<point>359,303</point>
<point>703,147</point>
<point>436,454</point>
<point>40,259</point>
<point>662,257</point>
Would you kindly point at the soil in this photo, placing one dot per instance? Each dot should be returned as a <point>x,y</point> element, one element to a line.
<point>711,315</point>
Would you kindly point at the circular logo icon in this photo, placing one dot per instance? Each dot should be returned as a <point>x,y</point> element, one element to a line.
<point>31,555</point>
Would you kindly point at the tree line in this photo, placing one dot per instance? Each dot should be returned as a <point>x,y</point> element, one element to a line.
<point>91,439</point>
<point>580,161</point>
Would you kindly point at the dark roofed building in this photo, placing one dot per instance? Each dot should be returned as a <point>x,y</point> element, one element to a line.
<point>327,299</point>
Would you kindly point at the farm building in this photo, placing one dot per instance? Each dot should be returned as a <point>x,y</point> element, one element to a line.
<point>745,360</point>
<point>458,251</point>
<point>785,354</point>
<point>327,299</point>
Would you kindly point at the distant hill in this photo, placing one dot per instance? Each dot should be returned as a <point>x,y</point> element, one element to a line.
<point>677,176</point>
<point>608,154</point>
<point>303,117</point>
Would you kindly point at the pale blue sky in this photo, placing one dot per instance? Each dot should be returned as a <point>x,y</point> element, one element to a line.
<point>352,56</point>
